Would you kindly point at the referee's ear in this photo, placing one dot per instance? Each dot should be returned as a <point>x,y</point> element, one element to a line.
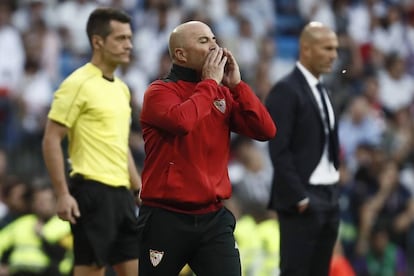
<point>97,43</point>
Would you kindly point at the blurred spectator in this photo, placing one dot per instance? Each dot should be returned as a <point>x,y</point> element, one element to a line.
<point>370,89</point>
<point>340,265</point>
<point>391,204</point>
<point>33,98</point>
<point>64,15</point>
<point>347,72</point>
<point>409,39</point>
<point>317,10</point>
<point>151,38</point>
<point>384,257</point>
<point>126,5</point>
<point>136,79</point>
<point>289,22</point>
<point>396,86</point>
<point>226,28</point>
<point>398,140</point>
<point>244,46</point>
<point>257,237</point>
<point>42,45</point>
<point>13,191</point>
<point>11,50</point>
<point>261,14</point>
<point>68,60</point>
<point>364,13</point>
<point>348,227</point>
<point>341,15</point>
<point>212,9</point>
<point>11,70</point>
<point>38,243</point>
<point>261,82</point>
<point>164,66</point>
<point>358,126</point>
<point>389,28</point>
<point>278,67</point>
<point>370,161</point>
<point>252,173</point>
<point>258,242</point>
<point>31,11</point>
<point>75,48</point>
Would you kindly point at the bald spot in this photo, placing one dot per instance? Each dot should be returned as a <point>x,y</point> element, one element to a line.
<point>181,34</point>
<point>313,32</point>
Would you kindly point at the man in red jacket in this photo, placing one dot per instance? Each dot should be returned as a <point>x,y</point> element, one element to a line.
<point>187,119</point>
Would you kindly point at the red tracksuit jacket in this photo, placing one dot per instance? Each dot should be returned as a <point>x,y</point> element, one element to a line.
<point>186,126</point>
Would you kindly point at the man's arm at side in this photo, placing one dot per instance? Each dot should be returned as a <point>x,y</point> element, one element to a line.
<point>67,208</point>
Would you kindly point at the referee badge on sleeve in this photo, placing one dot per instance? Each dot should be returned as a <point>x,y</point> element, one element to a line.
<point>220,105</point>
<point>156,256</point>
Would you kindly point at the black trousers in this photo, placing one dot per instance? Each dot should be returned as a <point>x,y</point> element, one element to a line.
<point>169,240</point>
<point>107,231</point>
<point>307,241</point>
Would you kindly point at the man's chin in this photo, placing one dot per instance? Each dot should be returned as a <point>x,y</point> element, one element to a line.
<point>327,70</point>
<point>124,61</point>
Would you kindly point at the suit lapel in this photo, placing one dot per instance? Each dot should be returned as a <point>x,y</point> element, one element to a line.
<point>307,93</point>
<point>328,92</point>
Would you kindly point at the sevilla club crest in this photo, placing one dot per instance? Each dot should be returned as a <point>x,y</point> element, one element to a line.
<point>220,105</point>
<point>156,257</point>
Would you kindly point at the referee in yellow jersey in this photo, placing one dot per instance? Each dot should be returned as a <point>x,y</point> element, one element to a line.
<point>92,108</point>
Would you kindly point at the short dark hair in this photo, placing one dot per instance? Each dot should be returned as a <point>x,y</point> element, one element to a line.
<point>99,21</point>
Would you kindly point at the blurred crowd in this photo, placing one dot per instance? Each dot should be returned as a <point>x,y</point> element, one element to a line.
<point>42,41</point>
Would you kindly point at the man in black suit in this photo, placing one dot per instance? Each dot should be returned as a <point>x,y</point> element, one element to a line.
<point>305,158</point>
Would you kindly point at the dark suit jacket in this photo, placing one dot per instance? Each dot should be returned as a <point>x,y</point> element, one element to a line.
<point>298,146</point>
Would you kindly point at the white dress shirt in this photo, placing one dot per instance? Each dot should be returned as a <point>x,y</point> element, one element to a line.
<point>325,172</point>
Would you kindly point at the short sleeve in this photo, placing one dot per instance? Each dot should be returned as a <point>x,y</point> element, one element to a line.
<point>67,104</point>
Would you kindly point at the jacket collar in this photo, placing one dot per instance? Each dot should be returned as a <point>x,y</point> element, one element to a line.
<point>183,73</point>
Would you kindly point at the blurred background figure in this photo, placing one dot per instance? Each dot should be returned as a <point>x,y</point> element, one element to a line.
<point>340,265</point>
<point>356,126</point>
<point>13,190</point>
<point>251,173</point>
<point>396,85</point>
<point>383,257</point>
<point>388,203</point>
<point>257,237</point>
<point>11,70</point>
<point>38,243</point>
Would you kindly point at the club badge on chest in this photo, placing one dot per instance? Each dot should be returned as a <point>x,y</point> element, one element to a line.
<point>220,105</point>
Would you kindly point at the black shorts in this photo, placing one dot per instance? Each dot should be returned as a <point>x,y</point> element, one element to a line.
<point>169,240</point>
<point>107,231</point>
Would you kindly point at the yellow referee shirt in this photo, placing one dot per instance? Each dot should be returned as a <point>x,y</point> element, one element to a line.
<point>97,112</point>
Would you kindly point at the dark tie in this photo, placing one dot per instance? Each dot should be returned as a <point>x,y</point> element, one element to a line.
<point>331,151</point>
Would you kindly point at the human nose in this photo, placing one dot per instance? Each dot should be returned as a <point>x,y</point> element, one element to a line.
<point>128,44</point>
<point>214,45</point>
